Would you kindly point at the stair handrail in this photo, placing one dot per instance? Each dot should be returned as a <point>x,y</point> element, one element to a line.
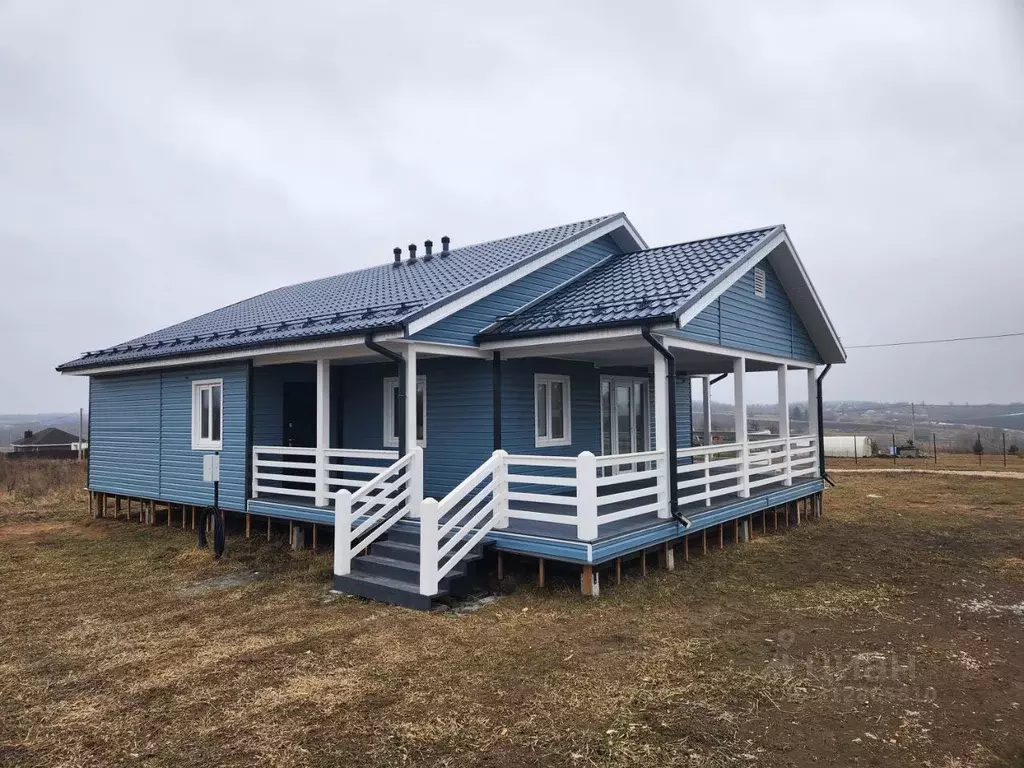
<point>395,500</point>
<point>468,525</point>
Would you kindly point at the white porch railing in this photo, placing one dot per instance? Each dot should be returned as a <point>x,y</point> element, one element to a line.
<point>383,501</point>
<point>707,472</point>
<point>283,471</point>
<point>450,528</point>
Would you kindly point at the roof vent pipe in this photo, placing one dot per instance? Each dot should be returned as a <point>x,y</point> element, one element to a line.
<point>428,248</point>
<point>398,257</point>
<point>412,253</point>
<point>444,245</point>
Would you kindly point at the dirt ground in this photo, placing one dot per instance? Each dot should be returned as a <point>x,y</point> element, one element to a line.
<point>886,634</point>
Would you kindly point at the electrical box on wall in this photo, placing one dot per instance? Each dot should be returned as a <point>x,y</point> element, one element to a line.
<point>211,468</point>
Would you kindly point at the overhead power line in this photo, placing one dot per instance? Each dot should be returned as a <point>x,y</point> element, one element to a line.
<point>936,341</point>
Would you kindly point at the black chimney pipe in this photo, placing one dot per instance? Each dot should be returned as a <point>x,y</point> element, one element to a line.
<point>398,257</point>
<point>444,245</point>
<point>428,247</point>
<point>412,253</point>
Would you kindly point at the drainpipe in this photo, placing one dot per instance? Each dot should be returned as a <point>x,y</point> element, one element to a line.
<point>673,470</point>
<point>821,427</point>
<point>400,361</point>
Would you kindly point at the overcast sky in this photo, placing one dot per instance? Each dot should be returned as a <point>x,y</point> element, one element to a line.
<point>162,159</point>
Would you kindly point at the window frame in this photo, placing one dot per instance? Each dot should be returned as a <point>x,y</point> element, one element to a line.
<point>546,441</point>
<point>200,443</point>
<point>388,436</point>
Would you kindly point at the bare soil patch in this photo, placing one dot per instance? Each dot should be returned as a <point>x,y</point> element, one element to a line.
<point>884,634</point>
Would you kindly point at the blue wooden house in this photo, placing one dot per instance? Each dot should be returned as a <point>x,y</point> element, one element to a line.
<point>531,393</point>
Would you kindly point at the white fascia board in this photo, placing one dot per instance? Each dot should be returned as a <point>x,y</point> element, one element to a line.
<point>437,348</point>
<point>552,345</point>
<point>732,278</point>
<point>675,342</point>
<point>259,355</point>
<point>489,286</point>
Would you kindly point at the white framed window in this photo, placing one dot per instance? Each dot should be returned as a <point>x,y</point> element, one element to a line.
<point>759,282</point>
<point>551,408</point>
<point>391,407</point>
<point>208,415</point>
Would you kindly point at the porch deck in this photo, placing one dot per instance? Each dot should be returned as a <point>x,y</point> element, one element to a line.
<point>558,541</point>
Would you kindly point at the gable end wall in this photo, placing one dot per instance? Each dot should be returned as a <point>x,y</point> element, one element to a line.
<point>741,320</point>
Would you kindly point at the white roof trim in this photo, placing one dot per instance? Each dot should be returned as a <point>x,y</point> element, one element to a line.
<point>256,354</point>
<point>675,342</point>
<point>616,224</point>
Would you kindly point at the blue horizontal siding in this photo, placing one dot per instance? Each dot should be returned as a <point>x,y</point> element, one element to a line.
<point>741,320</point>
<point>142,436</point>
<point>124,424</point>
<point>461,327</point>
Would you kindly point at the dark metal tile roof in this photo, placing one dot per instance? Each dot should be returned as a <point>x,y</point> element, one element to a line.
<point>355,302</point>
<point>48,436</point>
<point>635,287</point>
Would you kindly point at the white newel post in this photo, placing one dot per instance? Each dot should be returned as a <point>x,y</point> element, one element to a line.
<point>323,429</point>
<point>812,415</point>
<point>428,547</point>
<point>739,369</point>
<point>500,480</point>
<point>255,474</point>
<point>343,533</point>
<point>586,496</point>
<point>784,424</point>
<point>415,471</point>
<point>661,442</point>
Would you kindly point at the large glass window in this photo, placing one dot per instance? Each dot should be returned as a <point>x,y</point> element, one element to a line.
<point>553,423</point>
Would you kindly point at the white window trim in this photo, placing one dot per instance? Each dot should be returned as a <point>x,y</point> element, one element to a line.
<point>198,443</point>
<point>547,442</point>
<point>390,383</point>
<point>649,407</point>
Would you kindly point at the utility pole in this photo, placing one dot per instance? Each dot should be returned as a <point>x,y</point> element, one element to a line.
<point>80,426</point>
<point>913,425</point>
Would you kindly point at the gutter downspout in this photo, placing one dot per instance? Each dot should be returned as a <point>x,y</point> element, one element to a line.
<point>821,428</point>
<point>673,438</point>
<point>400,361</point>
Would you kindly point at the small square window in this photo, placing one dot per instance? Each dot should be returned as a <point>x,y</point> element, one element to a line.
<point>552,421</point>
<point>207,415</point>
<point>391,408</point>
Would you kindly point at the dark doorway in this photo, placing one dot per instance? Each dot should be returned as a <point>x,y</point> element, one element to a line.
<point>299,414</point>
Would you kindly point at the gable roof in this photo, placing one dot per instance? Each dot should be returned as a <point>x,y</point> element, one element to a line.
<point>672,283</point>
<point>639,287</point>
<point>383,297</point>
<point>48,436</point>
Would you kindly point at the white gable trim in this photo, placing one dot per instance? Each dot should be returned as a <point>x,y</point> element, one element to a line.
<point>490,285</point>
<point>798,288</point>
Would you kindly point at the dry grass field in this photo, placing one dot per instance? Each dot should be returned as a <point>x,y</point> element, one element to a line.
<point>954,461</point>
<point>888,633</point>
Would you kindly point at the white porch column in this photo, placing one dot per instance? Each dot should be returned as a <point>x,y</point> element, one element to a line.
<point>784,424</point>
<point>812,414</point>
<point>410,397</point>
<point>323,429</point>
<point>411,445</point>
<point>661,442</point>
<point>707,410</point>
<point>739,368</point>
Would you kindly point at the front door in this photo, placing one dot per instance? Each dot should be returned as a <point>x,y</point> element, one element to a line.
<point>624,426</point>
<point>299,414</point>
